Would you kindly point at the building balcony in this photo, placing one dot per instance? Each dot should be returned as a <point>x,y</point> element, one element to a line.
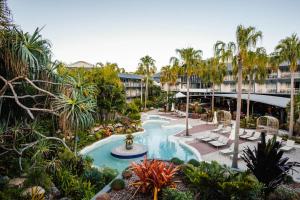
<point>288,75</point>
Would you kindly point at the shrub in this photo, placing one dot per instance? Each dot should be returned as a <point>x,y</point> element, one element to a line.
<point>73,163</point>
<point>214,181</point>
<point>176,161</point>
<point>38,176</point>
<point>173,194</point>
<point>109,174</point>
<point>98,135</point>
<point>194,162</point>
<point>267,164</point>
<point>118,184</point>
<point>153,175</point>
<point>283,193</point>
<point>95,177</point>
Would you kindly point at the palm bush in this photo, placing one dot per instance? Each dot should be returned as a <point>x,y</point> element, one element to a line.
<point>267,163</point>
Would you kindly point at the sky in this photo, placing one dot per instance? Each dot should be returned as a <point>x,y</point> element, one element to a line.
<point>123,31</point>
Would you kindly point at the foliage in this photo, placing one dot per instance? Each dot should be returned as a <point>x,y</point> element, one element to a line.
<point>38,176</point>
<point>118,184</point>
<point>283,193</point>
<point>176,161</point>
<point>95,177</point>
<point>153,175</point>
<point>251,122</point>
<point>132,111</point>
<point>173,194</point>
<point>214,181</point>
<point>11,193</point>
<point>194,162</point>
<point>75,164</point>
<point>109,174</point>
<point>267,164</point>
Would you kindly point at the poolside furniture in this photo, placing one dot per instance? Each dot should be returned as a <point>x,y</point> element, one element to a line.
<point>278,139</point>
<point>228,150</point>
<point>219,128</point>
<point>222,141</point>
<point>289,146</point>
<point>204,135</point>
<point>269,137</point>
<point>267,123</point>
<point>256,136</point>
<point>225,130</point>
<point>247,135</point>
<point>210,138</point>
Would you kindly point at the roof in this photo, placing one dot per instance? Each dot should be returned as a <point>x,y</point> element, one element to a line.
<point>267,99</point>
<point>80,64</point>
<point>130,76</point>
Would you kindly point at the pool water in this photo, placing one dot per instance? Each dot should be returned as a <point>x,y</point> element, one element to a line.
<point>155,138</point>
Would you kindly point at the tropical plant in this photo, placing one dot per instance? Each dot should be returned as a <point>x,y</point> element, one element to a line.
<point>176,161</point>
<point>118,184</point>
<point>188,62</point>
<point>95,177</point>
<point>267,163</point>
<point>153,175</point>
<point>288,50</point>
<point>147,69</point>
<point>173,194</point>
<point>246,39</point>
<point>168,76</point>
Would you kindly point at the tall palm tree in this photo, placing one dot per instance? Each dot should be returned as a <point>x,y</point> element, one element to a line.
<point>146,68</point>
<point>189,59</point>
<point>288,50</point>
<point>256,63</point>
<point>168,76</point>
<point>246,39</point>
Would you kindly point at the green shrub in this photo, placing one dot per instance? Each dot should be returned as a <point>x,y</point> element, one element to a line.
<point>173,194</point>
<point>176,161</point>
<point>11,193</point>
<point>194,162</point>
<point>95,177</point>
<point>73,163</point>
<point>109,174</point>
<point>118,184</point>
<point>283,193</point>
<point>98,135</point>
<point>38,176</point>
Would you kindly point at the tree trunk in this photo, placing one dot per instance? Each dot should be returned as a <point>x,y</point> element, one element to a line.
<point>292,106</point>
<point>238,117</point>
<point>146,93</point>
<point>187,107</point>
<point>141,93</point>
<point>168,87</point>
<point>248,100</point>
<point>213,99</point>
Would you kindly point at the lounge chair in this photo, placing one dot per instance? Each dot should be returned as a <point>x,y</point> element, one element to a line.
<point>228,150</point>
<point>278,139</point>
<point>225,130</point>
<point>256,136</point>
<point>269,137</point>
<point>204,135</point>
<point>289,146</point>
<point>219,128</point>
<point>222,141</point>
<point>247,135</point>
<point>210,138</point>
<point>242,132</point>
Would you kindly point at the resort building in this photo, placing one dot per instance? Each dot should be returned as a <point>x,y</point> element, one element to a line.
<point>133,84</point>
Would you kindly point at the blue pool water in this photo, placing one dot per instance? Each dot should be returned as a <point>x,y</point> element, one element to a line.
<point>155,138</point>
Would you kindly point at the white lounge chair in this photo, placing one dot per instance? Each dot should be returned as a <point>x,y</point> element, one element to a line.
<point>225,130</point>
<point>278,139</point>
<point>269,137</point>
<point>256,136</point>
<point>289,146</point>
<point>242,132</point>
<point>247,135</point>
<point>222,141</point>
<point>204,135</point>
<point>210,138</point>
<point>228,150</point>
<point>219,128</point>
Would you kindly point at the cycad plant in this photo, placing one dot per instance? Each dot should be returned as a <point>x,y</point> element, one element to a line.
<point>267,163</point>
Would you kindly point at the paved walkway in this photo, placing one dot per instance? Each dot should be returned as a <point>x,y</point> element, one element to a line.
<point>210,153</point>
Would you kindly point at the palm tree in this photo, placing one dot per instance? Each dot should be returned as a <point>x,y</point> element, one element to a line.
<point>256,63</point>
<point>146,68</point>
<point>246,38</point>
<point>288,50</point>
<point>76,107</point>
<point>189,59</point>
<point>168,76</point>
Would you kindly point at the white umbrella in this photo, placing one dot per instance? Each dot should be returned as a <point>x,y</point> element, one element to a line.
<point>179,95</point>
<point>215,120</point>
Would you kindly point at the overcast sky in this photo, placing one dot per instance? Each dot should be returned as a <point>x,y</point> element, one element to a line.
<point>123,31</point>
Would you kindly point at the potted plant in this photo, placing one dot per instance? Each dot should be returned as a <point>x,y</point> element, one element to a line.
<point>129,141</point>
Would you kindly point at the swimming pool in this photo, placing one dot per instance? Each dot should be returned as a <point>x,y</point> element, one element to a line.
<point>156,138</point>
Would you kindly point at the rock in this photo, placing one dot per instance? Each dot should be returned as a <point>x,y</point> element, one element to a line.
<point>103,196</point>
<point>127,174</point>
<point>54,191</point>
<point>118,125</point>
<point>33,190</point>
<point>16,182</point>
<point>96,129</point>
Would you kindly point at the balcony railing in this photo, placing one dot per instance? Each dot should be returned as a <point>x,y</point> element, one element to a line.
<point>288,75</point>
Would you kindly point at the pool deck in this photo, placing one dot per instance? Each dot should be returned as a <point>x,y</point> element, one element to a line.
<point>210,153</point>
